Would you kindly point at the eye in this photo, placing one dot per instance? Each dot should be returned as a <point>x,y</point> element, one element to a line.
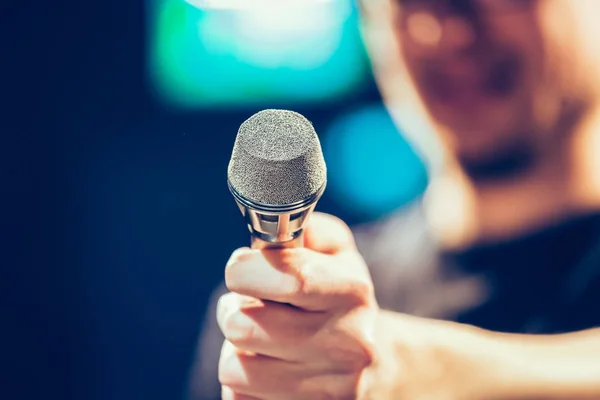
<point>420,4</point>
<point>506,5</point>
<point>414,2</point>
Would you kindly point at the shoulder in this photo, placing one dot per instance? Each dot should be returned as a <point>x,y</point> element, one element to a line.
<point>400,254</point>
<point>403,234</point>
<point>408,270</point>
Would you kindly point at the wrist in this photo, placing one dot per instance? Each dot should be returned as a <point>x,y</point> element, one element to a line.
<point>419,357</point>
<point>380,379</point>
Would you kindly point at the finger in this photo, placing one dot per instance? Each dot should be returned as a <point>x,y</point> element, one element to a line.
<point>301,277</point>
<point>328,234</point>
<point>228,394</point>
<point>272,329</point>
<point>265,377</point>
<point>249,273</point>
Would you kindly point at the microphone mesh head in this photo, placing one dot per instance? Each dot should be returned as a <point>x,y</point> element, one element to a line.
<point>277,159</point>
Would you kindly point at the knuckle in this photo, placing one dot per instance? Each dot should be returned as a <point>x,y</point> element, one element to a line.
<point>238,257</point>
<point>225,306</point>
<point>352,351</point>
<point>365,359</point>
<point>305,276</point>
<point>336,228</point>
<point>242,254</point>
<point>357,285</point>
<point>350,387</point>
<point>229,374</point>
<point>348,359</point>
<point>360,292</point>
<point>291,260</point>
<point>366,353</point>
<point>341,394</point>
<point>227,301</point>
<point>353,360</point>
<point>237,327</point>
<point>340,387</point>
<point>299,263</point>
<point>240,330</point>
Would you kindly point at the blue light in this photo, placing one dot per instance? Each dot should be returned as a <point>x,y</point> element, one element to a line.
<point>372,169</point>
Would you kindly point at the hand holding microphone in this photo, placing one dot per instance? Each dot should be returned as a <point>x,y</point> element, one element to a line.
<point>299,323</point>
<point>301,320</point>
<point>300,316</point>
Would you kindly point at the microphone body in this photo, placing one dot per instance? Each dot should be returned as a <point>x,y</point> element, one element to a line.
<point>276,227</point>
<point>276,176</point>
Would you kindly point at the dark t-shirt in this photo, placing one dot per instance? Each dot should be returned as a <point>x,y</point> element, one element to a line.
<point>545,282</point>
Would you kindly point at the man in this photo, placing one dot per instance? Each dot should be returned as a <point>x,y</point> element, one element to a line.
<point>506,243</point>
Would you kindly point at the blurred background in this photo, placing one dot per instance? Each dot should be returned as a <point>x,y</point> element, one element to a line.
<point>118,122</point>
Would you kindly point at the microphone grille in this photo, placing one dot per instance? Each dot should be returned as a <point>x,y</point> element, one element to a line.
<point>277,159</point>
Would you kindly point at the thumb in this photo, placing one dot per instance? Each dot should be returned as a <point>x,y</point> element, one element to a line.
<point>325,233</point>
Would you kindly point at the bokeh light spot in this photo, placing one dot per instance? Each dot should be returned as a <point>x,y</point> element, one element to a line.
<point>372,170</point>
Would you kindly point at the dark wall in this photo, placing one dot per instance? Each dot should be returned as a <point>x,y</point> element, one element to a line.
<point>117,221</point>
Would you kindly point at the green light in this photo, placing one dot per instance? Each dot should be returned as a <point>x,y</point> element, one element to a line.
<point>212,57</point>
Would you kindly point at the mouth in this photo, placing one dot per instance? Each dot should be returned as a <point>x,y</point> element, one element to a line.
<point>469,84</point>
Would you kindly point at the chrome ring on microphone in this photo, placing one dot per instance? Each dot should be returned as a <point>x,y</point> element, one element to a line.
<point>276,223</point>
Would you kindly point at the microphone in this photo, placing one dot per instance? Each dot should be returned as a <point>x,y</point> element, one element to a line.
<point>276,175</point>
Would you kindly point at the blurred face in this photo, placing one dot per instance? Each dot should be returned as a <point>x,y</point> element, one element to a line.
<point>502,79</point>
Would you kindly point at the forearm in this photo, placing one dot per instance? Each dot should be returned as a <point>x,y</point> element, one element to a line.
<point>467,363</point>
<point>549,367</point>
